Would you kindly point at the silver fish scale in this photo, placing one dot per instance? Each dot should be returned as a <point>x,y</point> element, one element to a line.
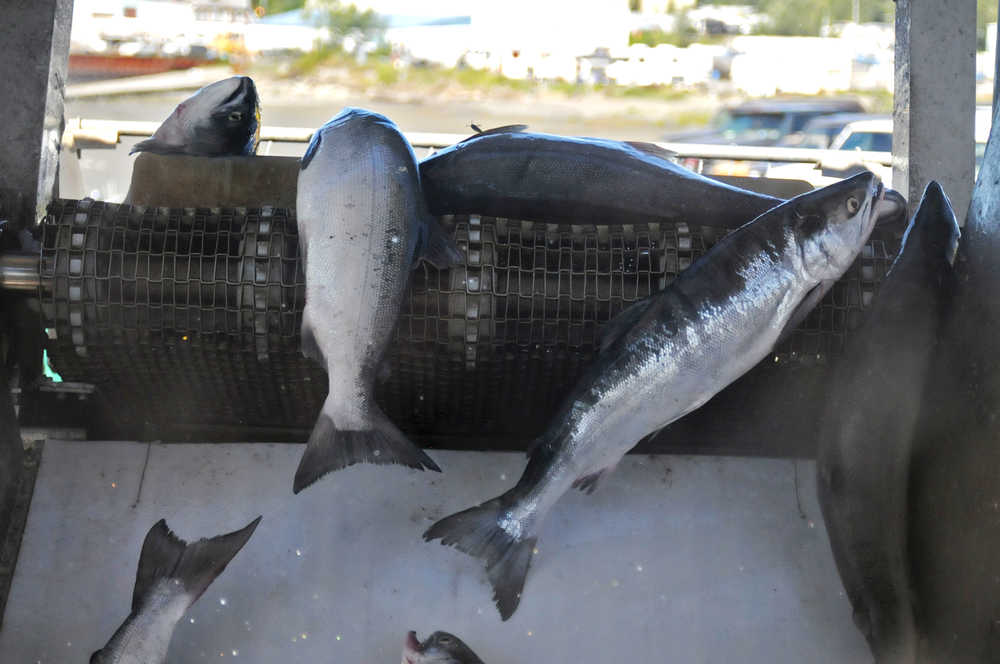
<point>691,341</point>
<point>358,223</point>
<point>144,638</point>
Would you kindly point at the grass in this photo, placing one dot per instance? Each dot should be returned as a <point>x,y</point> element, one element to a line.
<point>684,119</point>
<point>661,92</point>
<point>379,69</point>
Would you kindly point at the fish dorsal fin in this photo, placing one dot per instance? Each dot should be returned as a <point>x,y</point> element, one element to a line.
<point>161,551</point>
<point>437,248</point>
<point>506,129</point>
<point>623,322</point>
<point>652,149</point>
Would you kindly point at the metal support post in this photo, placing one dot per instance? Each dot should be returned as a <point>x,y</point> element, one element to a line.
<point>935,99</point>
<point>34,56</point>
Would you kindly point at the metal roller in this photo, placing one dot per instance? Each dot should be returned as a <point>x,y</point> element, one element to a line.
<point>192,315</point>
<point>20,272</point>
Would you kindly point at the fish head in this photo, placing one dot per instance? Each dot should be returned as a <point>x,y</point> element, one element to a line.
<point>934,231</point>
<point>438,648</point>
<point>891,209</point>
<point>833,223</point>
<point>222,119</point>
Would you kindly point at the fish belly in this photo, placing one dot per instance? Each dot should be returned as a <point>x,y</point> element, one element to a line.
<point>360,239</point>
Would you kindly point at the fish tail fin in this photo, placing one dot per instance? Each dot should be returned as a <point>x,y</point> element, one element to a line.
<point>477,532</point>
<point>193,566</point>
<point>330,449</point>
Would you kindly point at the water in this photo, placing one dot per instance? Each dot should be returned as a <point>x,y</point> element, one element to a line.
<point>104,174</point>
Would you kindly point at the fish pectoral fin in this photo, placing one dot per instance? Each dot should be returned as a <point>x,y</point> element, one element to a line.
<point>384,372</point>
<point>309,346</point>
<point>588,483</point>
<point>155,146</point>
<point>807,304</point>
<point>652,149</point>
<point>437,248</point>
<point>618,326</point>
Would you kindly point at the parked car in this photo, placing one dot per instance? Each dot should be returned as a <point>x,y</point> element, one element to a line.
<point>819,132</point>
<point>868,135</point>
<point>764,122</point>
<point>759,123</point>
<point>873,135</point>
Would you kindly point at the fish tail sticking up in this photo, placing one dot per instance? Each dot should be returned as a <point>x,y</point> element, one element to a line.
<point>479,532</point>
<point>193,566</point>
<point>330,449</point>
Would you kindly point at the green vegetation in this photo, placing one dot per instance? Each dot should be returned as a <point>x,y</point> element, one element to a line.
<point>378,68</point>
<point>986,12</point>
<point>690,118</point>
<point>806,17</point>
<point>684,34</point>
<point>346,19</point>
<point>878,101</point>
<point>278,6</point>
<point>661,92</point>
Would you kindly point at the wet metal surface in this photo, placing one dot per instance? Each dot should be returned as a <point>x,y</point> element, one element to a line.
<point>709,559</point>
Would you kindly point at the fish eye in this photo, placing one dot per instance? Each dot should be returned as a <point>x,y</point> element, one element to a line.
<point>236,116</point>
<point>853,205</point>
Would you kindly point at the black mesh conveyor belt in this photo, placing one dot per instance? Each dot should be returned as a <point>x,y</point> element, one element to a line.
<point>188,322</point>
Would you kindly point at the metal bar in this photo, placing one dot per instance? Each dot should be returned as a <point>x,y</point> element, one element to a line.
<point>34,55</point>
<point>19,272</point>
<point>82,133</point>
<point>934,99</point>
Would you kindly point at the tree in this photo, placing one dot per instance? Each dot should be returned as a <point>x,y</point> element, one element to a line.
<point>344,20</point>
<point>806,17</point>
<point>278,6</point>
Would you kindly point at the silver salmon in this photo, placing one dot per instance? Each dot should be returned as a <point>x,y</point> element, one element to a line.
<point>665,356</point>
<point>362,226</point>
<point>544,177</point>
<point>866,434</point>
<point>220,120</point>
<point>505,172</point>
<point>172,575</point>
<point>438,648</point>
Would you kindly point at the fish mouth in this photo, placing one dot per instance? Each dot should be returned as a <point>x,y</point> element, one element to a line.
<point>411,648</point>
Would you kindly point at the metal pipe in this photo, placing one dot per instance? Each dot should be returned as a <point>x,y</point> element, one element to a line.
<point>82,133</point>
<point>19,272</point>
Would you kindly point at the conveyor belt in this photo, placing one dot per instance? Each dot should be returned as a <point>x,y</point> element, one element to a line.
<point>188,319</point>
